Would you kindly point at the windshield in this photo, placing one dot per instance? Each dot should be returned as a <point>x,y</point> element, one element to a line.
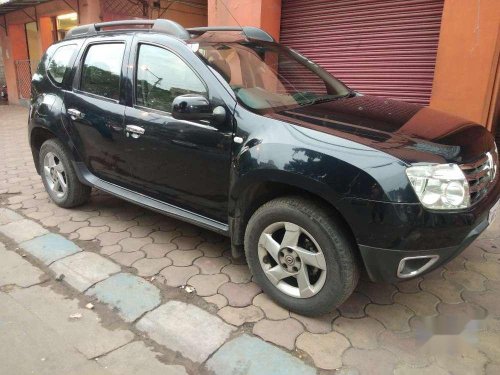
<point>267,77</point>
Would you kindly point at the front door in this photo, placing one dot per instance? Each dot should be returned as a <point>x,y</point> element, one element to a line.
<point>185,163</point>
<point>95,110</point>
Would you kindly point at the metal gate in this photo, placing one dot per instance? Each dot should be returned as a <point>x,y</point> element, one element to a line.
<point>23,77</point>
<point>377,47</point>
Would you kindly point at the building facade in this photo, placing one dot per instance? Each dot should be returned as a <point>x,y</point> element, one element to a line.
<point>442,53</point>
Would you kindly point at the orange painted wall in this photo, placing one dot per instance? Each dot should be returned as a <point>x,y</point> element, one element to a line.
<point>45,27</point>
<point>467,59</point>
<point>265,14</point>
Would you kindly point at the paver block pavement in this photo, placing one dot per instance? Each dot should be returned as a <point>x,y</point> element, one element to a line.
<point>325,349</point>
<point>132,296</point>
<point>137,359</point>
<point>85,334</point>
<point>50,247</point>
<point>185,328</point>
<point>84,269</point>
<point>252,356</point>
<point>22,230</point>
<point>15,270</point>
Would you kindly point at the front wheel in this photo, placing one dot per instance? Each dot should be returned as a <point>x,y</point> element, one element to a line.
<point>301,255</point>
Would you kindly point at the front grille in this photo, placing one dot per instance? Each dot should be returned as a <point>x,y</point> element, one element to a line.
<point>480,175</point>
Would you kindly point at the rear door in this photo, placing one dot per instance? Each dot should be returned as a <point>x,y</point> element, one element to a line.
<point>95,106</point>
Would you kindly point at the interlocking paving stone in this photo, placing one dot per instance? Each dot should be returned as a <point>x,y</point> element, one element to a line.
<point>184,258</point>
<point>238,273</point>
<point>493,369</point>
<point>369,362</point>
<point>212,250</point>
<point>112,238</point>
<point>405,346</point>
<point>239,295</point>
<point>429,370</point>
<point>490,270</point>
<point>86,334</point>
<point>325,349</point>
<point>468,279</point>
<point>279,332</point>
<point>90,233</point>
<point>217,299</point>
<point>446,290</point>
<point>110,249</point>
<point>67,227</point>
<point>22,230</point>
<point>17,271</point>
<point>240,315</point>
<point>317,324</point>
<point>251,356</point>
<point>394,317</point>
<point>164,236</point>
<point>84,269</point>
<point>8,216</point>
<point>180,327</point>
<point>378,293</point>
<point>422,303</point>
<point>354,306</point>
<point>127,259</point>
<point>410,286</point>
<point>155,250</point>
<point>272,310</point>
<point>137,359</point>
<point>456,355</point>
<point>488,300</point>
<point>50,247</point>
<point>211,266</point>
<point>130,244</point>
<point>207,285</point>
<point>132,296</point>
<point>177,276</point>
<point>362,333</point>
<point>149,267</point>
<point>186,243</point>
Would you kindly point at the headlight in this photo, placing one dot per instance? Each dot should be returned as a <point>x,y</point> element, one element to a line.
<point>440,186</point>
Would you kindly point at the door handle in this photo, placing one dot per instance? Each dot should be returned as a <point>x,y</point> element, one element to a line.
<point>75,114</point>
<point>134,130</point>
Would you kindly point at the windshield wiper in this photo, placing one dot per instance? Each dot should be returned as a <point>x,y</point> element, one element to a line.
<point>326,98</point>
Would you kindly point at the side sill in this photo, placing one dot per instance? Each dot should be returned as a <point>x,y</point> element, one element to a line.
<point>88,178</point>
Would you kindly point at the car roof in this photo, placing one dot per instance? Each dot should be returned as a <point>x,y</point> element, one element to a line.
<point>167,27</point>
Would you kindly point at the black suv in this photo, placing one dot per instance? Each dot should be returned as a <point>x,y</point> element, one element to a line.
<point>228,130</point>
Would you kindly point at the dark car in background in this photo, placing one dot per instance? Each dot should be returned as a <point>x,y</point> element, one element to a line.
<point>226,129</point>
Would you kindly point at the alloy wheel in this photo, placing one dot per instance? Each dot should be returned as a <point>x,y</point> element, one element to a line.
<point>55,176</point>
<point>292,259</point>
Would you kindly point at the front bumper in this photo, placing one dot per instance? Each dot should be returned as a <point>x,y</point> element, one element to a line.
<point>387,233</point>
<point>386,265</point>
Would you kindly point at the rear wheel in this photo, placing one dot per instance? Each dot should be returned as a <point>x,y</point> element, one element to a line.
<point>59,177</point>
<point>301,255</point>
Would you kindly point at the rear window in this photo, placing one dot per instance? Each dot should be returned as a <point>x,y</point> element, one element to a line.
<point>102,70</point>
<point>60,62</point>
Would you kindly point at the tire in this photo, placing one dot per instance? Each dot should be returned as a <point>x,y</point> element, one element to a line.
<point>322,240</point>
<point>74,193</point>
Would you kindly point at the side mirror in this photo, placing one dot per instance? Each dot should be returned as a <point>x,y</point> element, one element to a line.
<point>196,107</point>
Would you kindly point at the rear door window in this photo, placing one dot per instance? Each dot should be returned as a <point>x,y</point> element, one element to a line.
<point>60,62</point>
<point>101,70</point>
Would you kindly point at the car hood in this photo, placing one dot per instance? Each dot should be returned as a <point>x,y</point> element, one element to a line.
<point>410,132</point>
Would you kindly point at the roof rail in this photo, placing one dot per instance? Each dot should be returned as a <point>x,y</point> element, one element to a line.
<point>158,25</point>
<point>249,31</point>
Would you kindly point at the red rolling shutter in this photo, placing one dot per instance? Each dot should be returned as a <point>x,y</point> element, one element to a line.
<point>378,47</point>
